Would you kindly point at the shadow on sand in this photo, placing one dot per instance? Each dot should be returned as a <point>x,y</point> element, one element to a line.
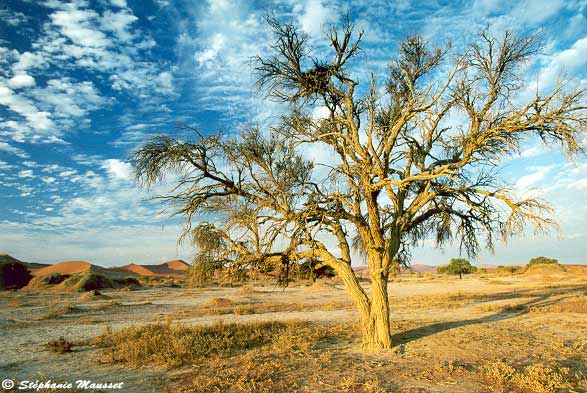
<point>541,300</point>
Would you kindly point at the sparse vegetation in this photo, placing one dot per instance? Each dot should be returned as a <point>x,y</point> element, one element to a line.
<point>445,339</point>
<point>536,378</point>
<point>82,282</point>
<point>59,346</point>
<point>173,345</point>
<point>47,280</point>
<point>509,269</point>
<point>56,312</point>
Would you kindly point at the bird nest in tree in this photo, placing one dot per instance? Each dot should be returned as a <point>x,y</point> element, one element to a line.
<point>316,80</point>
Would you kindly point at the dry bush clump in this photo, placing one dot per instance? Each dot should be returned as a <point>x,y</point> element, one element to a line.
<point>221,302</point>
<point>173,345</point>
<point>536,378</point>
<point>297,358</point>
<point>59,346</point>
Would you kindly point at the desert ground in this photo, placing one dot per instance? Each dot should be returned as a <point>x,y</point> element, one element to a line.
<point>482,333</point>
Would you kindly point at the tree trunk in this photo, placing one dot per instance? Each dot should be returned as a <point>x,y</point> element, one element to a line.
<point>374,314</point>
<point>376,328</point>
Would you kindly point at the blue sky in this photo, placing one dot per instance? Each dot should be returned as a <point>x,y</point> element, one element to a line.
<point>83,83</point>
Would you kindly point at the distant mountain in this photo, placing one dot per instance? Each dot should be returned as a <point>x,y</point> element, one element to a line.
<point>421,268</point>
<point>363,270</point>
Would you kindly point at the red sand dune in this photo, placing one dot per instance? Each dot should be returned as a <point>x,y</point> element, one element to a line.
<point>176,268</point>
<point>67,267</point>
<point>177,264</point>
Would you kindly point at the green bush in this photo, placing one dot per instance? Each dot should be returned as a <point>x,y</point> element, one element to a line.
<point>541,261</point>
<point>458,266</point>
<point>49,279</point>
<point>88,281</point>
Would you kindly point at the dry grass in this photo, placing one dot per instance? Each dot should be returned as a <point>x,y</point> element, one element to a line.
<point>574,305</point>
<point>502,308</point>
<point>536,378</point>
<point>224,306</point>
<point>446,338</point>
<point>173,345</point>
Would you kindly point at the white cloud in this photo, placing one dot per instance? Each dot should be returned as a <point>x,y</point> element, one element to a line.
<point>77,25</point>
<point>13,18</point>
<point>28,60</point>
<point>533,178</point>
<point>533,12</point>
<point>532,151</point>
<point>118,169</point>
<point>49,180</point>
<point>579,184</point>
<point>118,23</point>
<point>66,98</point>
<point>5,166</point>
<point>67,173</point>
<point>26,174</point>
<point>5,147</point>
<point>21,80</point>
<point>570,61</point>
<point>39,120</point>
<point>314,16</point>
<point>118,3</point>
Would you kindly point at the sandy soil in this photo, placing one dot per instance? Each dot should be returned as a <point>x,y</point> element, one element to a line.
<point>436,322</point>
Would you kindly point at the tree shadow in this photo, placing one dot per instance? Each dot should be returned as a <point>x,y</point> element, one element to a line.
<point>520,309</point>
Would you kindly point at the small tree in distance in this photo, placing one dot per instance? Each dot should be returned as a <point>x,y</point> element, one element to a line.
<point>458,266</point>
<point>403,171</point>
<point>541,261</point>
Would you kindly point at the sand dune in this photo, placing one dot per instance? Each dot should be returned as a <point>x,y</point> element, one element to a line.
<point>175,268</point>
<point>66,268</point>
<point>176,264</point>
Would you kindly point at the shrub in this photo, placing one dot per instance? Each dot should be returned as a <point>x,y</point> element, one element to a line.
<point>173,345</point>
<point>533,378</point>
<point>59,346</point>
<point>90,281</point>
<point>458,266</point>
<point>541,261</point>
<point>49,279</point>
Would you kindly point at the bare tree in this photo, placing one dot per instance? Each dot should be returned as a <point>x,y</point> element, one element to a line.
<point>406,168</point>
